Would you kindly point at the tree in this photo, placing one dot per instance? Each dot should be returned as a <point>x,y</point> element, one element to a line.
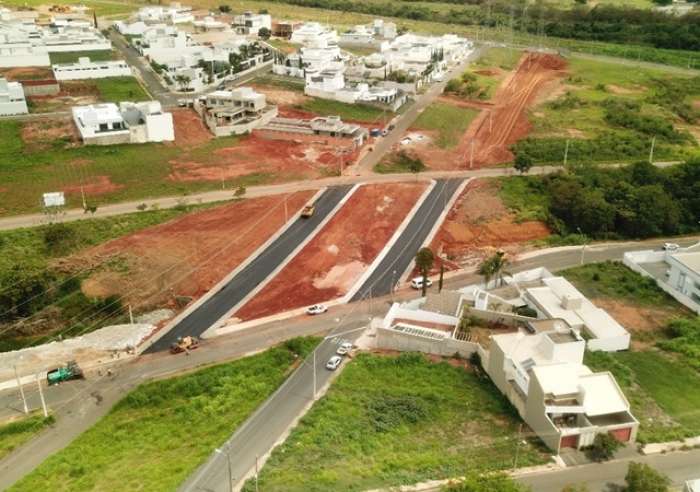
<point>264,33</point>
<point>605,445</point>
<point>425,258</point>
<point>493,266</point>
<point>488,482</point>
<point>23,289</point>
<point>523,163</point>
<point>224,9</point>
<point>183,81</point>
<point>643,478</point>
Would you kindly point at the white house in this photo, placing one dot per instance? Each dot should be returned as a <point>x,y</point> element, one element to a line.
<point>162,40</point>
<point>543,376</point>
<point>85,69</point>
<point>106,124</point>
<point>384,29</point>
<point>692,485</point>
<point>235,112</point>
<point>315,59</point>
<point>21,54</point>
<point>676,271</point>
<point>323,81</point>
<point>250,23</point>
<point>358,35</point>
<point>12,99</point>
<point>209,24</point>
<point>316,35</point>
<point>330,84</point>
<point>174,14</point>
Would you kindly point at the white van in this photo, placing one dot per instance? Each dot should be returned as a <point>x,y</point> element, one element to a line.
<point>417,283</point>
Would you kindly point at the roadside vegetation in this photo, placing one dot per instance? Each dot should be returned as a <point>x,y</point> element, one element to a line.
<point>389,421</point>
<point>30,285</point>
<point>14,434</point>
<point>158,435</point>
<point>659,375</point>
<point>449,121</point>
<point>632,202</point>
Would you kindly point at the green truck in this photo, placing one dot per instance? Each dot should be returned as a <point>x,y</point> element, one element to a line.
<point>65,373</point>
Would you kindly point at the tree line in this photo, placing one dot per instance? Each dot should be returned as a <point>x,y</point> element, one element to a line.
<point>631,202</point>
<point>604,23</point>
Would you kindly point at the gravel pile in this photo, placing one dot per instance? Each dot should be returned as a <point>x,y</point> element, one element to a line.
<point>87,349</point>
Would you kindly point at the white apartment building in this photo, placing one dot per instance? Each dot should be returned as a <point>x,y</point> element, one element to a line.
<point>12,99</point>
<point>85,69</point>
<point>316,35</point>
<point>106,124</point>
<point>174,14</point>
<point>250,23</point>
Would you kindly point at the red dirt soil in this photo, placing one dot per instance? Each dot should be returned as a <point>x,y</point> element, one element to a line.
<point>184,257</point>
<point>506,113</point>
<point>479,219</point>
<point>334,260</point>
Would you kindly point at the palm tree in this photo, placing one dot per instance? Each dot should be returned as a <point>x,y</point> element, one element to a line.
<point>493,266</point>
<point>425,258</point>
<point>183,81</point>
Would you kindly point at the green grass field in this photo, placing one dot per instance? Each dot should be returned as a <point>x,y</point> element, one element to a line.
<point>73,56</point>
<point>157,435</point>
<point>118,89</point>
<point>347,112</point>
<point>449,121</point>
<point>390,421</point>
<point>135,170</point>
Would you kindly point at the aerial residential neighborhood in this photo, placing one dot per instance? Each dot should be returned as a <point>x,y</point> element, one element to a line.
<point>367,247</point>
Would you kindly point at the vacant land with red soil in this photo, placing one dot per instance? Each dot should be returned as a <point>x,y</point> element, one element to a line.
<point>184,257</point>
<point>502,121</point>
<point>334,260</point>
<point>41,135</point>
<point>478,219</point>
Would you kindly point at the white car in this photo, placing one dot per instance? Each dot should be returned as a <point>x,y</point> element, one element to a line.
<point>670,246</point>
<point>333,363</point>
<point>344,348</point>
<point>417,283</point>
<point>317,309</point>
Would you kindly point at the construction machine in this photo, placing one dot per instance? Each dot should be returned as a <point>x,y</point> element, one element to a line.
<point>183,344</point>
<point>65,373</point>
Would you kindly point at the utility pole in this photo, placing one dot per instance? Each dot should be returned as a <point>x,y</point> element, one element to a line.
<point>393,278</point>
<point>566,152</point>
<point>583,239</point>
<point>131,315</point>
<point>230,473</point>
<point>651,153</point>
<point>490,120</point>
<point>222,177</point>
<point>24,400</point>
<point>256,471</point>
<point>41,394</point>
<point>314,368</point>
<point>82,193</point>
<point>517,447</point>
<point>471,157</point>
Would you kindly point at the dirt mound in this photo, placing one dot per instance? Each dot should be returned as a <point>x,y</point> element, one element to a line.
<point>336,258</point>
<point>479,218</point>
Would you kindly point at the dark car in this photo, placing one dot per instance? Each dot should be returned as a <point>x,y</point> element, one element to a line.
<point>391,127</point>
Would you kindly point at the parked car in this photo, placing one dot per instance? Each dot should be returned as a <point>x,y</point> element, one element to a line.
<point>317,309</point>
<point>391,127</point>
<point>670,246</point>
<point>333,363</point>
<point>384,133</point>
<point>417,283</point>
<point>344,348</point>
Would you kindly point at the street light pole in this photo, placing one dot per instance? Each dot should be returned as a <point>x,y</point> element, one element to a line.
<point>393,278</point>
<point>583,249</point>
<point>19,383</point>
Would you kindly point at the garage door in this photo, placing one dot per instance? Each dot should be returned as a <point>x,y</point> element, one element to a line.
<point>569,441</point>
<point>622,434</point>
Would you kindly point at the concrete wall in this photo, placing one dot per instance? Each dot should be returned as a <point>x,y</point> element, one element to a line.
<point>389,339</point>
<point>40,87</point>
<point>305,137</point>
<point>109,139</point>
<point>24,60</point>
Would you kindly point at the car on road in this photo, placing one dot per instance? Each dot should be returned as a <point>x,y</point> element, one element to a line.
<point>417,283</point>
<point>317,309</point>
<point>182,103</point>
<point>333,363</point>
<point>385,133</point>
<point>344,348</point>
<point>670,246</point>
<point>391,127</point>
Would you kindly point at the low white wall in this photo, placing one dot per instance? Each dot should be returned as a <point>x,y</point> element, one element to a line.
<point>389,339</point>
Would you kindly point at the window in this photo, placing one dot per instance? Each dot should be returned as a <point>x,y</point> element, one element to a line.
<point>103,127</point>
